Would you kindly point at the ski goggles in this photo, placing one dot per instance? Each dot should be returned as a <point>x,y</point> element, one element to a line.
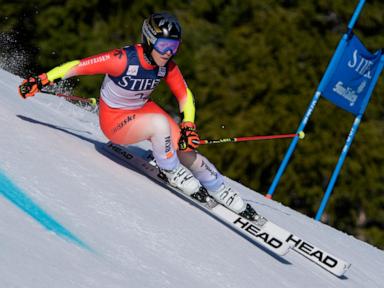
<point>163,45</point>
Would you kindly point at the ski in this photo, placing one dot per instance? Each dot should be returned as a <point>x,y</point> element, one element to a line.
<point>317,255</point>
<point>261,232</point>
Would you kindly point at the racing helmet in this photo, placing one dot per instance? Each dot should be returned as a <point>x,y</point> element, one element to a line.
<point>162,32</point>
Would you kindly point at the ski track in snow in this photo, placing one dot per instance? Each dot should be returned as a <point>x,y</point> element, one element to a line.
<point>118,229</point>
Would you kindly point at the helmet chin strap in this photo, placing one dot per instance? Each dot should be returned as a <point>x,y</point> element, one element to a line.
<point>148,57</point>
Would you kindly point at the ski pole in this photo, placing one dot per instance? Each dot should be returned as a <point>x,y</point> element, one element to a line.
<point>301,135</point>
<point>91,101</point>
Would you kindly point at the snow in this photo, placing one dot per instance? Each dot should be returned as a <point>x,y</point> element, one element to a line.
<point>70,216</point>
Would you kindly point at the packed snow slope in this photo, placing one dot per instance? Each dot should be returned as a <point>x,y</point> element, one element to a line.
<point>70,216</point>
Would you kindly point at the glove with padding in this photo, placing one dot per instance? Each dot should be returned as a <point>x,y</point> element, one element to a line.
<point>189,139</point>
<point>30,86</point>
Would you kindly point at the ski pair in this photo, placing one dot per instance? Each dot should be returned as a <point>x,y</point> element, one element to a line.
<point>261,231</point>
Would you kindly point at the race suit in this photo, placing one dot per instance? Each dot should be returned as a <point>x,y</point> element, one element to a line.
<point>126,113</point>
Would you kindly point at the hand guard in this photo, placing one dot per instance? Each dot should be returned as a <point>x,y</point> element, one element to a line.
<point>32,85</point>
<point>189,139</point>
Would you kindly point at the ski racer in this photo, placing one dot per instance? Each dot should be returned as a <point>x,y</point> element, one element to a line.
<point>127,115</point>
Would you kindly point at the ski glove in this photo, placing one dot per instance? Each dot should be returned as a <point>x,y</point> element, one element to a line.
<point>189,139</point>
<point>32,85</point>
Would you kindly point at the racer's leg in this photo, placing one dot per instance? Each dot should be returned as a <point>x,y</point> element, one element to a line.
<point>213,181</point>
<point>202,168</point>
<point>149,123</point>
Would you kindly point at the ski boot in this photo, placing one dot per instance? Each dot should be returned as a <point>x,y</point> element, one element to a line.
<point>227,197</point>
<point>181,179</point>
<point>230,199</point>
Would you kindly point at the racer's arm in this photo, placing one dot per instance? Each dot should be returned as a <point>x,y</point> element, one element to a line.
<point>113,63</point>
<point>179,88</point>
